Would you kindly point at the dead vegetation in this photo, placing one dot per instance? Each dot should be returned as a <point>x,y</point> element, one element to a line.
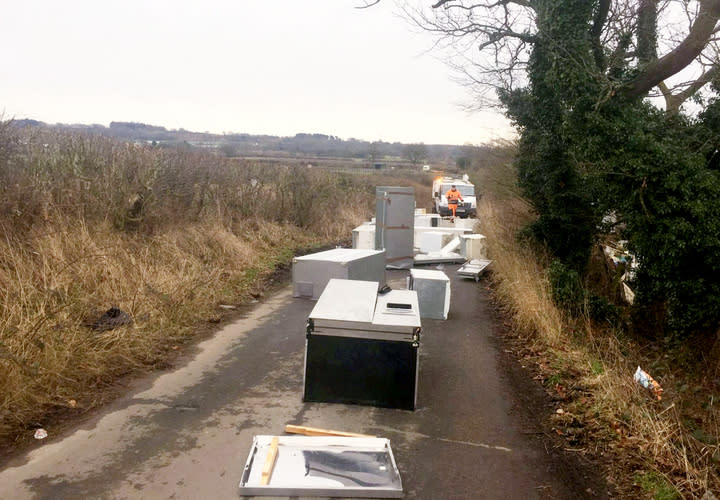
<point>167,237</point>
<point>650,449</point>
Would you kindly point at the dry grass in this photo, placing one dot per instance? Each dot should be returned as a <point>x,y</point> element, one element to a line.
<point>523,287</point>
<point>674,440</point>
<point>522,284</point>
<point>166,236</point>
<point>655,452</point>
<point>56,284</point>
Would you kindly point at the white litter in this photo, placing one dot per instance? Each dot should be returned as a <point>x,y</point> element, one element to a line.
<point>644,379</point>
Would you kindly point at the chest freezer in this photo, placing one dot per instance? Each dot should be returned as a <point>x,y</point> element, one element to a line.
<point>426,220</point>
<point>421,239</point>
<point>468,224</point>
<point>361,347</point>
<point>433,241</point>
<point>312,272</point>
<point>433,289</point>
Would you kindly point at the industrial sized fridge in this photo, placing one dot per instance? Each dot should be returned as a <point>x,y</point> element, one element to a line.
<point>362,347</point>
<point>394,224</point>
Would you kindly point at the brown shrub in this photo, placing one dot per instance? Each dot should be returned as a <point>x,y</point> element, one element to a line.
<point>89,223</point>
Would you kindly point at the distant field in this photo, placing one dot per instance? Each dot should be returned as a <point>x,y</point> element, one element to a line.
<point>354,165</point>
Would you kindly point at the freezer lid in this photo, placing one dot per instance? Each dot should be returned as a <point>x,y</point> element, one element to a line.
<point>397,308</point>
<point>396,329</point>
<point>340,255</point>
<point>427,274</point>
<point>347,301</point>
<point>323,466</point>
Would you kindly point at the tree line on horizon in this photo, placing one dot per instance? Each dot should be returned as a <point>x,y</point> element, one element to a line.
<point>244,144</point>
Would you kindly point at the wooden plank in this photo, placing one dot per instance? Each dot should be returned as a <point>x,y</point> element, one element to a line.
<point>269,462</point>
<point>315,431</point>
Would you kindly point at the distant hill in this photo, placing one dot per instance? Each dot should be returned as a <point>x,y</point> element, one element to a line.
<point>300,145</point>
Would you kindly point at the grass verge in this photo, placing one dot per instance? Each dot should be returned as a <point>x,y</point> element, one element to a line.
<point>649,449</point>
<point>57,284</point>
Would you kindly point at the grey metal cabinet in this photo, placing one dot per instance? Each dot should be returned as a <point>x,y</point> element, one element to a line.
<point>433,289</point>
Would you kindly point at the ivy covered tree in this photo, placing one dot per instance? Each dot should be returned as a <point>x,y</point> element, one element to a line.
<point>596,89</point>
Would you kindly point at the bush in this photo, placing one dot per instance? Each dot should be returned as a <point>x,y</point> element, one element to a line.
<point>566,287</point>
<point>145,189</point>
<point>602,310</point>
<point>669,203</point>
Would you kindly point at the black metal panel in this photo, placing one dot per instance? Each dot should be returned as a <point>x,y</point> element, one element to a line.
<point>360,371</point>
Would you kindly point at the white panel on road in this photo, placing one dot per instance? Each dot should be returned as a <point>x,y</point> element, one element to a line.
<point>323,466</point>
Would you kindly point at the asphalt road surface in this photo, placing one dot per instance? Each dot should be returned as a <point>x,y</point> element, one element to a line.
<point>186,433</point>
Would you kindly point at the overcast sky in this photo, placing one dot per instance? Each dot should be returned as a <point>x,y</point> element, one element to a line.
<point>263,67</point>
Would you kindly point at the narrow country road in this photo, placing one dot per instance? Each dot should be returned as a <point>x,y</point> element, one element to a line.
<point>187,433</point>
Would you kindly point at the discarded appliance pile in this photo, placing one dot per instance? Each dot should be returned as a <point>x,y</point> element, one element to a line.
<point>362,342</point>
<point>412,236</point>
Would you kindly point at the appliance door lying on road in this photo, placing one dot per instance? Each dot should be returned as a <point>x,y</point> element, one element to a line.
<point>321,466</point>
<point>362,347</point>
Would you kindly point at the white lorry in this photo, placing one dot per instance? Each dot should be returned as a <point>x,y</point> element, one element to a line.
<point>466,208</point>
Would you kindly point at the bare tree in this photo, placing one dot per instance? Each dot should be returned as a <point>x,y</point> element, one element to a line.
<point>416,153</point>
<point>640,47</point>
